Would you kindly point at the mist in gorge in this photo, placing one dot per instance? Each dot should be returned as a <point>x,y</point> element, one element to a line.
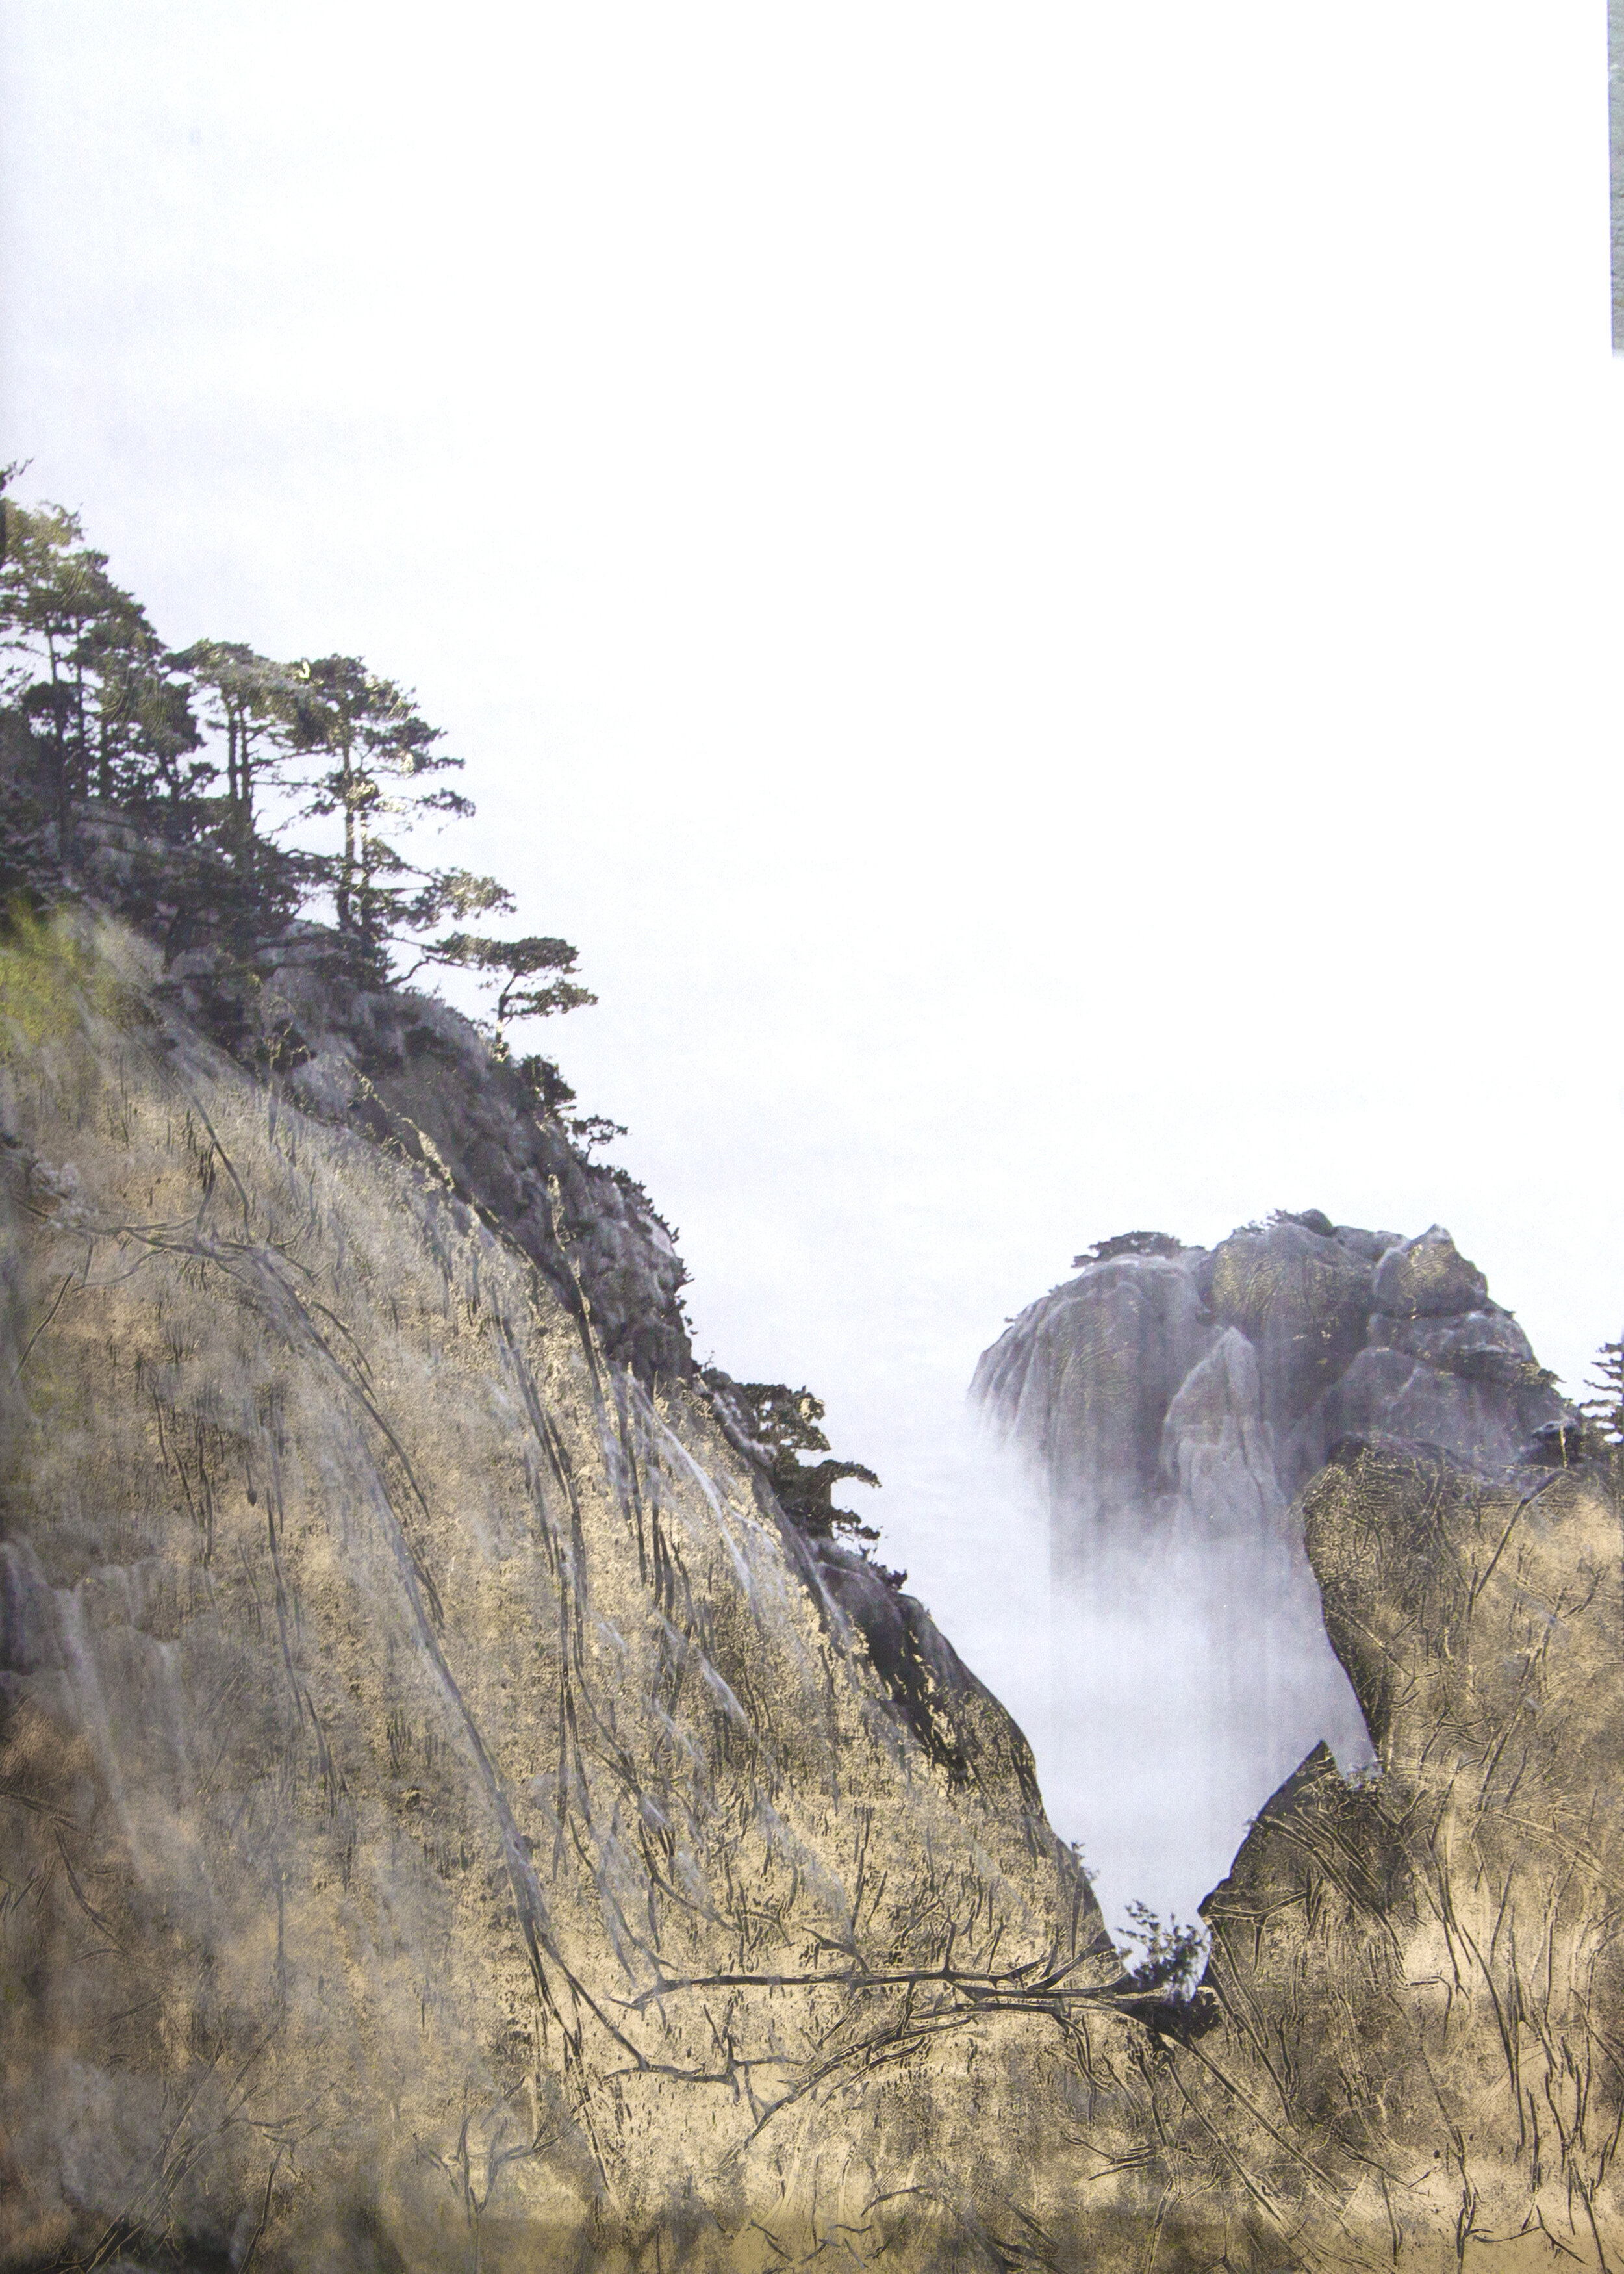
<point>1156,1416</point>
<point>1181,1682</point>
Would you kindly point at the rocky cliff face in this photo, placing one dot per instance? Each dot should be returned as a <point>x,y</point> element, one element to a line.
<point>1172,1402</point>
<point>425,1745</point>
<point>1170,1391</point>
<point>411,1074</point>
<point>1421,1978</point>
<point>451,1821</point>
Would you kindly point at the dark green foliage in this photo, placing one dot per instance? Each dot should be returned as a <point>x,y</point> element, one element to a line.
<point>105,709</point>
<point>1603,1408</point>
<point>784,1423</point>
<point>28,867</point>
<point>143,775</point>
<point>370,748</point>
<point>1170,1956</point>
<point>1128,1243</point>
<point>590,1129</point>
<point>512,969</point>
<point>553,1093</point>
<point>546,1085</point>
<point>252,702</point>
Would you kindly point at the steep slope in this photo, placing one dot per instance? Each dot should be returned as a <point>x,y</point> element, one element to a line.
<point>451,1821</point>
<point>421,1742</point>
<point>1423,1979</point>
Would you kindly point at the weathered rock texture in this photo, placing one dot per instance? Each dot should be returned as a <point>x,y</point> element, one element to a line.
<point>1170,1388</point>
<point>404,1706</point>
<point>1422,1980</point>
<point>413,1074</point>
<point>446,1824</point>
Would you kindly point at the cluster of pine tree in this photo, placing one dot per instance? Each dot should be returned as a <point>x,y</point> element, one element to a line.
<point>207,760</point>
<point>197,766</point>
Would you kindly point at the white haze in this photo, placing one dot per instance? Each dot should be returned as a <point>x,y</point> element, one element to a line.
<point>1165,1701</point>
<point>1036,588</point>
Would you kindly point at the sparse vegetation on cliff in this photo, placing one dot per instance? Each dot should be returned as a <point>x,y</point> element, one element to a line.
<point>219,798</point>
<point>443,1819</point>
<point>214,764</point>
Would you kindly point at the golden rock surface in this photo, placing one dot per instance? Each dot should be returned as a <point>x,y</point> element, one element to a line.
<point>444,1828</point>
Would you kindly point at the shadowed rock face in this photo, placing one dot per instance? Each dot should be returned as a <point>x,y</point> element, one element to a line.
<point>1090,1378</point>
<point>1198,1390</point>
<point>413,1075</point>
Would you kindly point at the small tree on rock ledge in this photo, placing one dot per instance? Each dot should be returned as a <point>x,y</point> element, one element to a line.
<point>784,1422</point>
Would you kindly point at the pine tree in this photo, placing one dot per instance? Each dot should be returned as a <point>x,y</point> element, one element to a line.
<point>784,1423</point>
<point>1603,1409</point>
<point>252,702</point>
<point>378,747</point>
<point>107,709</point>
<point>93,704</point>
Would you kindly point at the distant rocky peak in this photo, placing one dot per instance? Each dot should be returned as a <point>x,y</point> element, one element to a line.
<point>1167,1388</point>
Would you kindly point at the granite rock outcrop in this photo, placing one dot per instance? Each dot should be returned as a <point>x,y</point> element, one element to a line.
<point>1168,1387</point>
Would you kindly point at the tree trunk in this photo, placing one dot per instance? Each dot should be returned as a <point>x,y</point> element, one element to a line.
<point>346,875</point>
<point>65,785</point>
<point>367,910</point>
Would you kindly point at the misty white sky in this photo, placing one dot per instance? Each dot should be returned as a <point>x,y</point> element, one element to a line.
<point>1037,588</point>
